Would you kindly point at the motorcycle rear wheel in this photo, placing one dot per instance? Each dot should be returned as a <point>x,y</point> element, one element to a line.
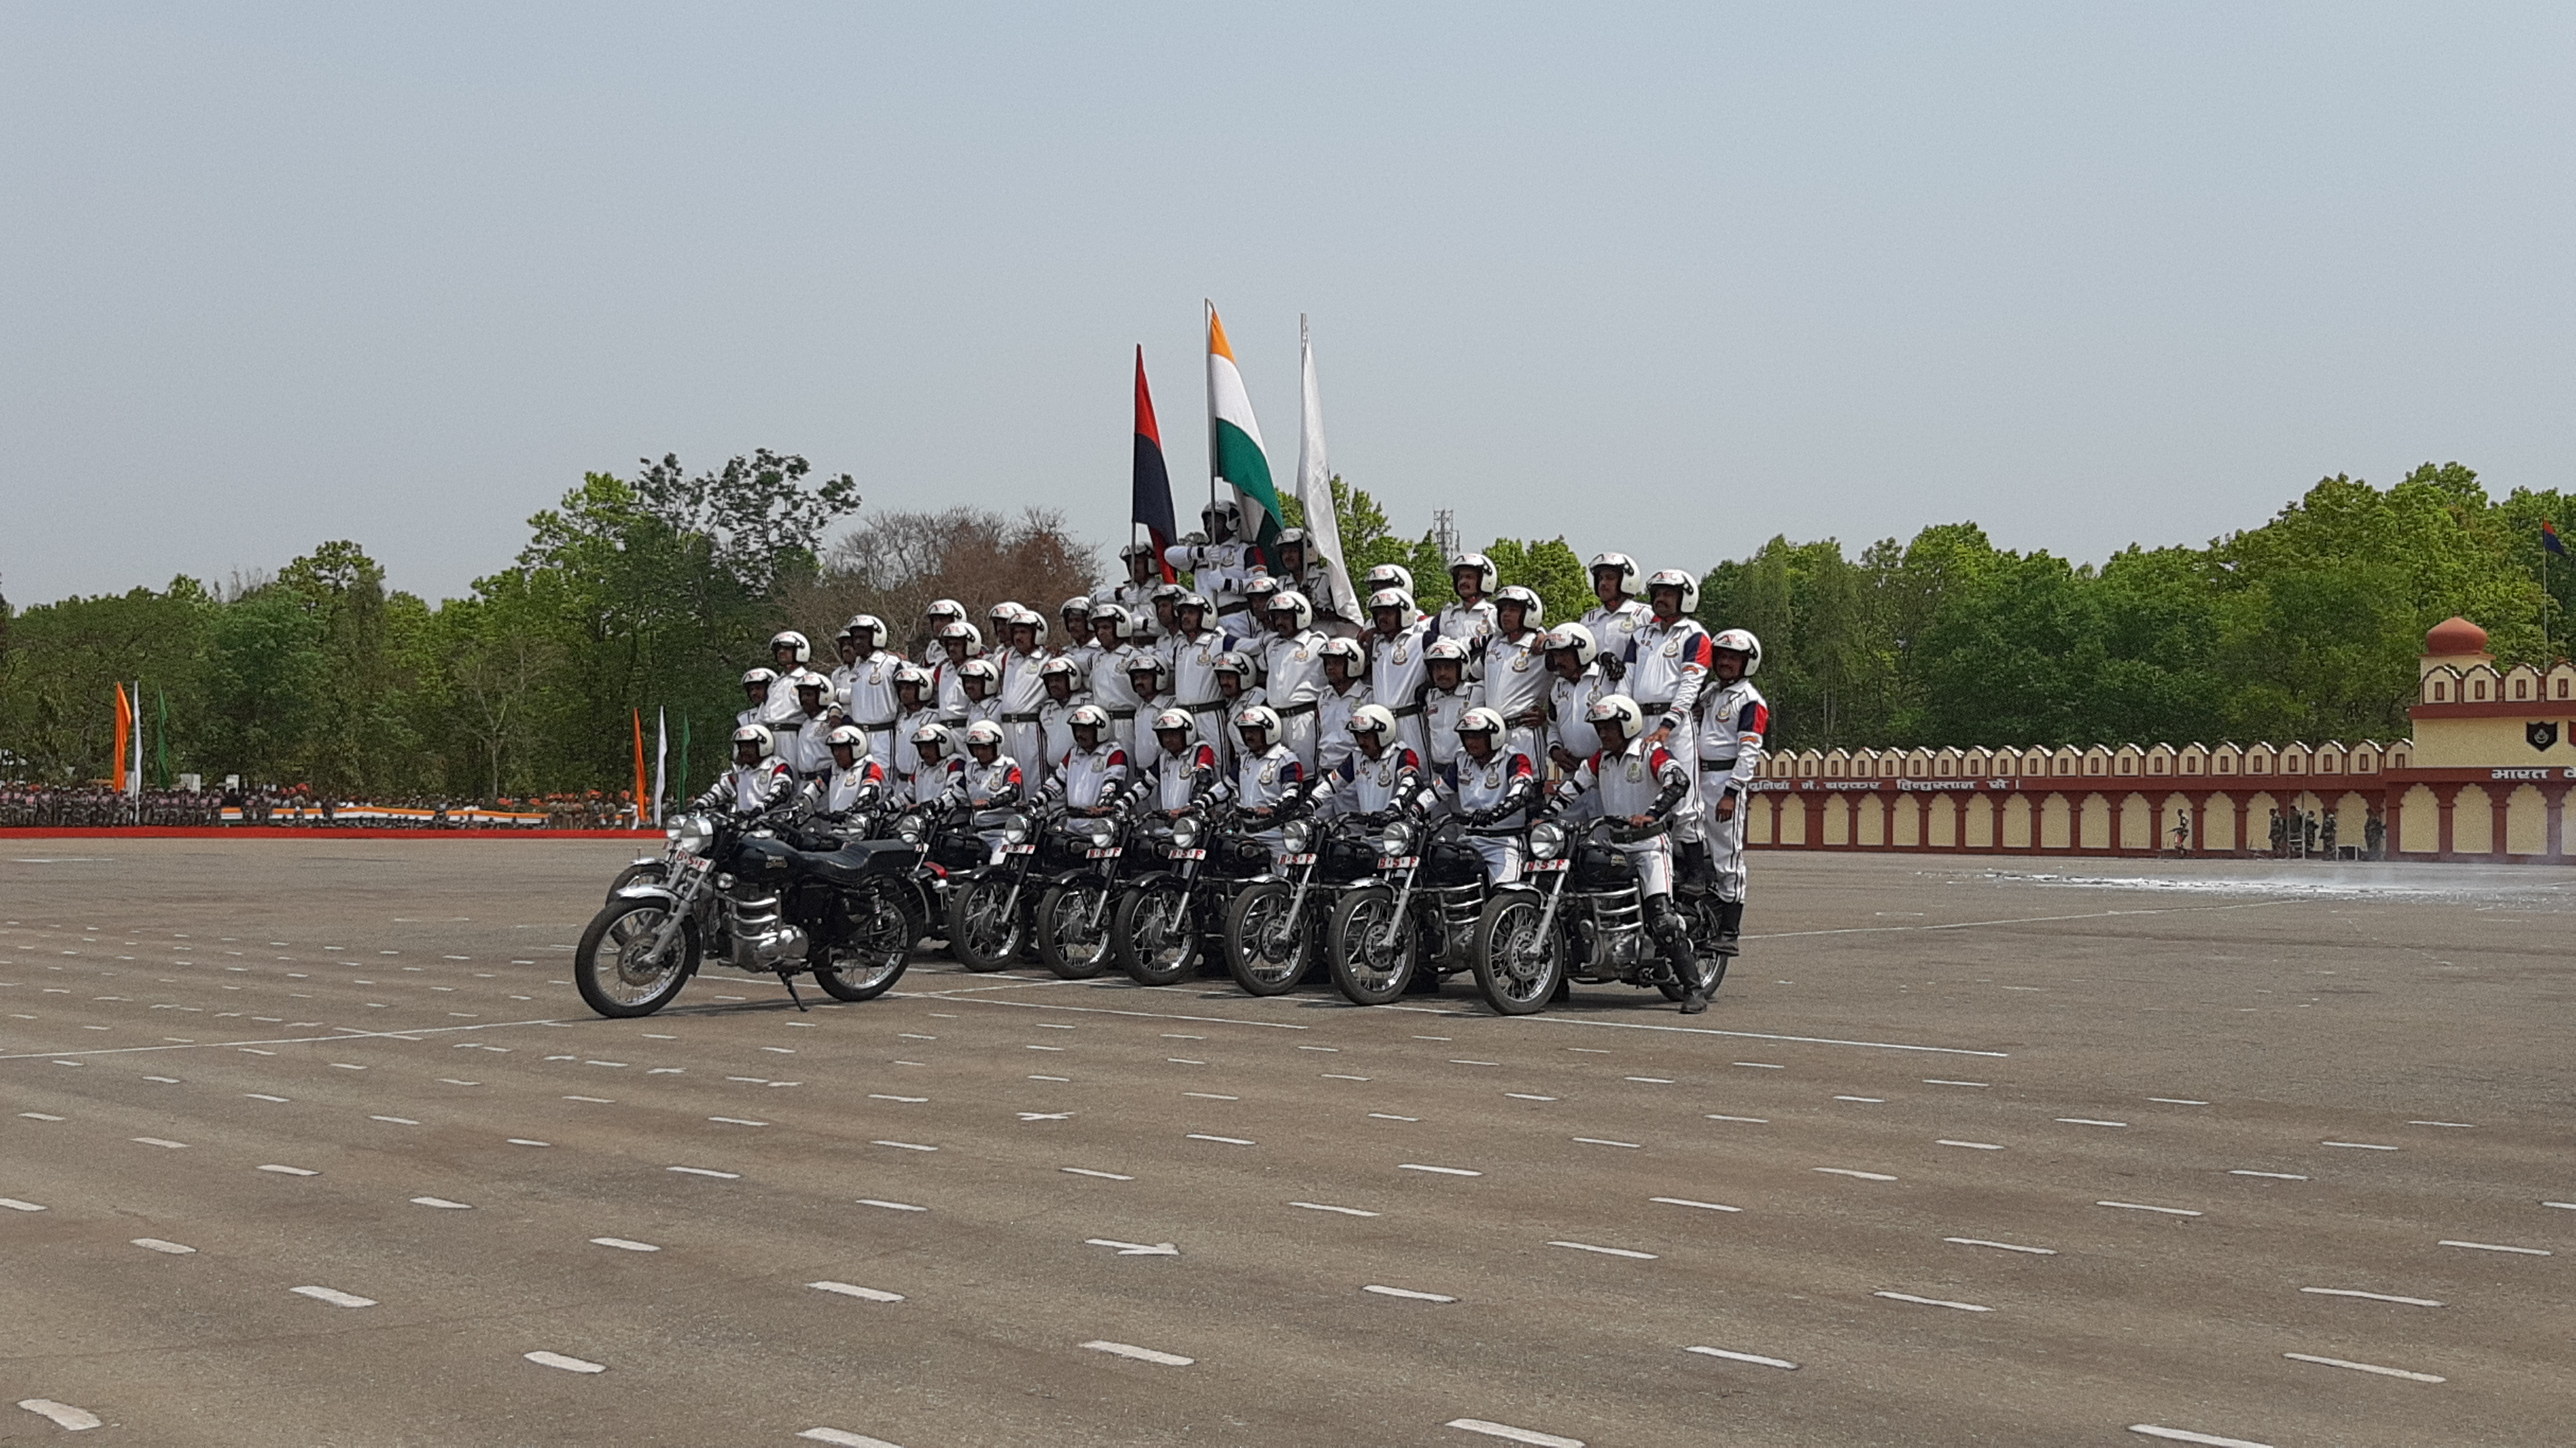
<point>1368,969</point>
<point>1253,953</point>
<point>868,964</point>
<point>1068,942</point>
<point>1516,970</point>
<point>981,934</point>
<point>1152,935</point>
<point>609,968</point>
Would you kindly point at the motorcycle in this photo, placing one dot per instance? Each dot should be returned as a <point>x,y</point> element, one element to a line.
<point>1075,906</point>
<point>1166,922</point>
<point>1579,915</point>
<point>737,894</point>
<point>990,908</point>
<point>1419,914</point>
<point>1276,923</point>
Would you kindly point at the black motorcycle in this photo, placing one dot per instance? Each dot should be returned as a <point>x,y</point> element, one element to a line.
<point>739,895</point>
<point>1275,926</point>
<point>1578,915</point>
<point>1418,915</point>
<point>992,911</point>
<point>1075,907</point>
<point>1173,916</point>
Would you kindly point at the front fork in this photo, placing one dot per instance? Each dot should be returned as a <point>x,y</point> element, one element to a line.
<point>1395,917</point>
<point>1286,939</point>
<point>1547,917</point>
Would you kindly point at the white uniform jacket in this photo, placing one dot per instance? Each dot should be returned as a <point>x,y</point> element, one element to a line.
<point>749,789</point>
<point>1396,677</point>
<point>1293,676</point>
<point>1333,742</point>
<point>1091,777</point>
<point>1667,663</point>
<point>1365,786</point>
<point>1733,722</point>
<point>840,791</point>
<point>866,692</point>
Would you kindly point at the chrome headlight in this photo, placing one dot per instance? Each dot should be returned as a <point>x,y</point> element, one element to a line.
<point>1015,828</point>
<point>1185,832</point>
<point>910,829</point>
<point>1102,832</point>
<point>1297,836</point>
<point>1546,841</point>
<point>692,834</point>
<point>1397,837</point>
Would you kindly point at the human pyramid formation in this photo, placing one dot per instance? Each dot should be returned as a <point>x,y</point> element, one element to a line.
<point>1238,689</point>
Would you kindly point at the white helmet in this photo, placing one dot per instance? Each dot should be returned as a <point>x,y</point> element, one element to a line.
<point>961,632</point>
<point>808,679</point>
<point>1080,603</point>
<point>1235,661</point>
<point>1149,663</point>
<point>1445,650</point>
<point>911,673</point>
<point>1575,638</point>
<point>1257,592</point>
<point>1087,716</point>
<point>1480,720</point>
<point>1483,565</point>
<point>1258,716</point>
<point>754,734</point>
<point>868,622</point>
<point>1060,667</point>
<point>1626,566</point>
<point>1533,608</point>
<point>1180,719</point>
<point>1621,710</point>
<point>1740,641</point>
<point>1190,601</point>
<point>794,642</point>
<point>759,678</point>
<point>984,731</point>
<point>1348,651</point>
<point>1031,618</point>
<point>849,734</point>
<point>1289,600</point>
<point>1121,627</point>
<point>1389,575</point>
<point>1135,551</point>
<point>931,740</point>
<point>1676,578</point>
<point>1294,538</point>
<point>1220,509</point>
<point>1372,719</point>
<point>980,669</point>
<point>1395,598</point>
<point>945,608</point>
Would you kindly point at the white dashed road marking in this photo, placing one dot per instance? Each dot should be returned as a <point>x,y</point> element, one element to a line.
<point>847,1290</point>
<point>2371,1296</point>
<point>2283,1176</point>
<point>15,1205</point>
<point>1687,1202</point>
<point>333,1296</point>
<point>891,1206</point>
<point>2185,1435</point>
<point>1408,1293</point>
<point>1441,1170</point>
<point>731,1176</point>
<point>845,1440</point>
<point>2492,1247</point>
<point>155,1244</point>
<point>443,1203</point>
<point>1744,1357</point>
<point>2143,1207</point>
<point>1606,1251</point>
<point>2002,1246</point>
<point>2301,1357</point>
<point>1867,1176</point>
<point>62,1415</point>
<point>904,1145</point>
<point>1931,1301</point>
<point>1140,1354</point>
<point>623,1245</point>
<point>157,1141</point>
<point>568,1364</point>
<point>1511,1434</point>
<point>1103,1175</point>
<point>1971,1145</point>
<point>1321,1207</point>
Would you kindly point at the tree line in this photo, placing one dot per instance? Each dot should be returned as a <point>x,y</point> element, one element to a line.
<point>655,591</point>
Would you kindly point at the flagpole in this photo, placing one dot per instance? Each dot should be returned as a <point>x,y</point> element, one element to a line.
<point>1207,341</point>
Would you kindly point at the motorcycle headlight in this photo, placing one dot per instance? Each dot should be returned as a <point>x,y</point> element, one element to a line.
<point>1015,828</point>
<point>692,834</point>
<point>1185,832</point>
<point>1296,835</point>
<point>910,829</point>
<point>1101,834</point>
<point>1396,838</point>
<point>1546,841</point>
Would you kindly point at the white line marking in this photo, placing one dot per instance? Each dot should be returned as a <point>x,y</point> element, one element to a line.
<point>623,1245</point>
<point>2002,1246</point>
<point>736,1121</point>
<point>891,1206</point>
<point>157,1141</point>
<point>1602,1141</point>
<point>1321,1207</point>
<point>1744,1357</point>
<point>1058,1079</point>
<point>1652,1080</point>
<point>729,1176</point>
<point>63,1415</point>
<point>290,1170</point>
<point>1749,1120</point>
<point>333,1296</point>
<point>1687,1202</point>
<point>1931,1301</point>
<point>2567,1206</point>
<point>1442,1170</point>
<point>1928,1081</point>
<point>1141,1354</point>
<point>2143,1207</point>
<point>1525,1096</point>
<point>1606,1251</point>
<point>396,1120</point>
<point>1871,1100</point>
<point>1134,1249</point>
<point>1107,1176</point>
<point>155,1244</point>
<point>2286,1176</point>
<point>1228,1140</point>
<point>2357,1145</point>
<point>2175,1101</point>
<point>2371,1296</point>
<point>15,1205</point>
<point>846,1440</point>
<point>1516,1435</point>
<point>442,1202</point>
<point>904,1145</point>
<point>847,1290</point>
<point>1474,1063</point>
<point>2185,1435</point>
<point>593,1100</point>
<point>2088,1121</point>
<point>1408,1293</point>
<point>2458,1125</point>
<point>523,1141</point>
<point>1971,1145</point>
<point>1867,1176</point>
<point>38,1116</point>
<point>1210,1096</point>
<point>2492,1247</point>
<point>1382,1116</point>
<point>568,1364</point>
<point>256,1096</point>
<point>1762,1065</point>
<point>879,1096</point>
<point>1341,1076</point>
<point>2301,1357</point>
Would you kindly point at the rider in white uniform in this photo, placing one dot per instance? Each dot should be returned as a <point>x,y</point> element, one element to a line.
<point>757,783</point>
<point>1093,779</point>
<point>1491,784</point>
<point>1734,722</point>
<point>854,785</point>
<point>1640,784</point>
<point>1345,666</point>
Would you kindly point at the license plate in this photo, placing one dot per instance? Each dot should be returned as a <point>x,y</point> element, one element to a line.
<point>1108,854</point>
<point>1546,867</point>
<point>699,863</point>
<point>1189,854</point>
<point>1398,862</point>
<point>1296,859</point>
<point>1022,850</point>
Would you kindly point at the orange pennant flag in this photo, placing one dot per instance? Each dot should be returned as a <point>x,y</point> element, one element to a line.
<point>124,735</point>
<point>639,767</point>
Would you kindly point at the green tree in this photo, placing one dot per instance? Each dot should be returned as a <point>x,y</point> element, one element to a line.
<point>265,667</point>
<point>1549,568</point>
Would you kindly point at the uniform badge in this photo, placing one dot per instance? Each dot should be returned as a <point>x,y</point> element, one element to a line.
<point>1269,772</point>
<point>1673,650</point>
<point>1302,652</point>
<point>1402,652</point>
<point>1636,770</point>
<point>1494,777</point>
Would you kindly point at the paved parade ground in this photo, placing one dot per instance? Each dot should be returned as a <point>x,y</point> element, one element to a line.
<point>311,1143</point>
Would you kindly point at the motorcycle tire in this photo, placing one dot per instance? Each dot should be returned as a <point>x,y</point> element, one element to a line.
<point>642,872</point>
<point>1516,975</point>
<point>1069,946</point>
<point>1367,970</point>
<point>614,984</point>
<point>1152,934</point>
<point>1255,916</point>
<point>979,935</point>
<point>868,965</point>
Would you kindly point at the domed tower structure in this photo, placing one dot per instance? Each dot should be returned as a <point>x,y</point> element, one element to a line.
<point>2456,644</point>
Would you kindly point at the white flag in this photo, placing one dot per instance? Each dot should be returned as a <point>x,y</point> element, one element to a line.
<point>134,776</point>
<point>1315,487</point>
<point>661,752</point>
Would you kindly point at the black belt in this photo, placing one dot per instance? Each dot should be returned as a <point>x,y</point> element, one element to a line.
<point>1291,711</point>
<point>1226,608</point>
<point>1657,707</point>
<point>1122,713</point>
<point>873,725</point>
<point>1019,718</point>
<point>1407,712</point>
<point>1715,766</point>
<point>1203,706</point>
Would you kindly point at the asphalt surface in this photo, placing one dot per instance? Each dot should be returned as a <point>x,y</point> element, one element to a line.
<point>1968,1151</point>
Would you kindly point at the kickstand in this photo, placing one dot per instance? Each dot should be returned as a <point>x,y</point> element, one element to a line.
<point>789,981</point>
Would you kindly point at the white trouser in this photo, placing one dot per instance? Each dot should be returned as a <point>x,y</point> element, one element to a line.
<point>1654,861</point>
<point>1026,744</point>
<point>1297,731</point>
<point>1725,837</point>
<point>1502,854</point>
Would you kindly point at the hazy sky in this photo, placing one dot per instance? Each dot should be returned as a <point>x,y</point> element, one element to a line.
<point>1664,279</point>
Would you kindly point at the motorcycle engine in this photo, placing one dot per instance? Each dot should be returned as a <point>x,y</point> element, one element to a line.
<point>760,938</point>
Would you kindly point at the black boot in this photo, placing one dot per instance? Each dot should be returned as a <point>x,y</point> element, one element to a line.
<point>1698,870</point>
<point>1730,927</point>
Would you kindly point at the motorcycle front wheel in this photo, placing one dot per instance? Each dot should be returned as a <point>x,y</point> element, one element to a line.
<point>982,934</point>
<point>1073,929</point>
<point>642,872</point>
<point>872,954</point>
<point>1152,935</point>
<point>611,968</point>
<point>1374,954</point>
<point>1265,949</point>
<point>1517,965</point>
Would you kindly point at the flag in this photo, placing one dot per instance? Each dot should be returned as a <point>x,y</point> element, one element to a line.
<point>2549,538</point>
<point>684,756</point>
<point>1234,439</point>
<point>638,796</point>
<point>1152,507</point>
<point>661,756</point>
<point>161,741</point>
<point>1315,485</point>
<point>124,736</point>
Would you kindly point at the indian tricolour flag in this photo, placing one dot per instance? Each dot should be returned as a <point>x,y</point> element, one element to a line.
<point>1234,438</point>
